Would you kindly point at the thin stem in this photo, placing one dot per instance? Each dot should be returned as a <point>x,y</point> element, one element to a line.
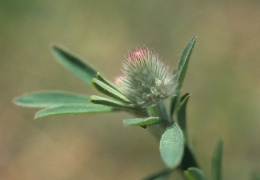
<point>162,111</point>
<point>158,111</point>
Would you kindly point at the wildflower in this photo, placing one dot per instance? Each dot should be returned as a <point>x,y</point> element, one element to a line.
<point>146,78</point>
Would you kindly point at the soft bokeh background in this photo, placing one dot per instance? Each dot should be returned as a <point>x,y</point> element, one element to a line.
<point>223,79</point>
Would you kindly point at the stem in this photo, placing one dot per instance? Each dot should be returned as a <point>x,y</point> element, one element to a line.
<point>160,111</point>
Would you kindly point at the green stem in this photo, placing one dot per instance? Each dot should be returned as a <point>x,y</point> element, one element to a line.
<point>162,112</point>
<point>158,110</point>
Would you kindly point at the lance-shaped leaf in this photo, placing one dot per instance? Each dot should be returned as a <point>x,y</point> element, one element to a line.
<point>184,61</point>
<point>142,121</point>
<point>194,174</point>
<point>109,102</point>
<point>50,98</point>
<point>72,109</point>
<point>182,114</point>
<point>103,80</point>
<point>172,145</point>
<point>108,90</point>
<point>217,161</point>
<point>74,64</point>
<point>173,104</point>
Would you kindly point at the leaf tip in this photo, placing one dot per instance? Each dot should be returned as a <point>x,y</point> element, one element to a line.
<point>19,101</point>
<point>92,98</point>
<point>16,100</point>
<point>38,115</point>
<point>54,47</point>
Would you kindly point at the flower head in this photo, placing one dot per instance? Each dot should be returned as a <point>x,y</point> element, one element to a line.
<point>146,78</point>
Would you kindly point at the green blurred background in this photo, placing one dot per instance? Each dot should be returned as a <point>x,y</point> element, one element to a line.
<point>223,79</point>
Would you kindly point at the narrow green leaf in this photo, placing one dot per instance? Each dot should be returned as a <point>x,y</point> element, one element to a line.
<point>194,174</point>
<point>173,104</point>
<point>184,61</point>
<point>109,102</point>
<point>142,121</point>
<point>172,145</point>
<point>159,175</point>
<point>74,64</point>
<point>108,90</point>
<point>182,114</point>
<point>72,109</point>
<point>103,80</point>
<point>50,98</point>
<point>217,161</point>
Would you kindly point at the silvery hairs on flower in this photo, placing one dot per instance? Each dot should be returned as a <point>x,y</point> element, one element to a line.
<point>147,79</point>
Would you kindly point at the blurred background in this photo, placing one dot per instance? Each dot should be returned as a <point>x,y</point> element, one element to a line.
<point>223,79</point>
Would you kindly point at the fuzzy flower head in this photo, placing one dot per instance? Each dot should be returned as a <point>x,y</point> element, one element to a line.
<point>146,78</point>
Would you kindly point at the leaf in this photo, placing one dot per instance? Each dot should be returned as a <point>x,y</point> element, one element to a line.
<point>194,174</point>
<point>184,61</point>
<point>50,98</point>
<point>74,64</point>
<point>182,114</point>
<point>142,121</point>
<point>161,174</point>
<point>108,90</point>
<point>172,145</point>
<point>109,102</point>
<point>217,161</point>
<point>72,109</point>
<point>103,80</point>
<point>173,104</point>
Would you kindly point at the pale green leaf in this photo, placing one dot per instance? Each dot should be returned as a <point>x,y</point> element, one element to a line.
<point>184,61</point>
<point>73,63</point>
<point>142,121</point>
<point>50,98</point>
<point>109,102</point>
<point>172,145</point>
<point>105,81</point>
<point>108,90</point>
<point>72,109</point>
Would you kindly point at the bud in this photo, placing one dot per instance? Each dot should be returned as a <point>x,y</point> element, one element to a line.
<point>146,78</point>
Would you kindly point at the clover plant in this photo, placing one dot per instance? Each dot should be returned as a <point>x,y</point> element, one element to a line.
<point>142,89</point>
